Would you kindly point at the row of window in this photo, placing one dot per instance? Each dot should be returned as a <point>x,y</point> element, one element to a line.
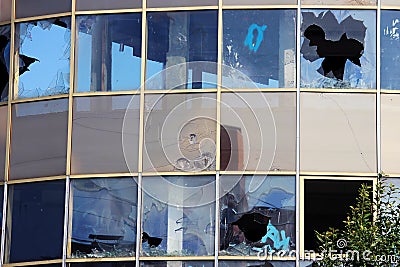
<point>338,51</point>
<point>257,133</point>
<point>177,216</point>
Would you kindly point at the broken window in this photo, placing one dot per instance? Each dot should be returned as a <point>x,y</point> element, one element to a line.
<point>3,138</point>
<point>390,131</point>
<point>5,7</point>
<point>340,2</point>
<point>178,216</point>
<point>97,132</point>
<point>28,8</point>
<point>102,264</point>
<point>176,263</point>
<point>105,4</point>
<point>257,213</point>
<point>104,218</point>
<point>262,47</point>
<point>177,3</point>
<point>338,132</point>
<point>326,204</point>
<point>108,52</point>
<point>390,47</point>
<point>338,49</point>
<point>5,32</point>
<point>39,139</point>
<point>35,222</point>
<point>43,49</point>
<point>258,131</point>
<point>180,132</point>
<point>176,42</point>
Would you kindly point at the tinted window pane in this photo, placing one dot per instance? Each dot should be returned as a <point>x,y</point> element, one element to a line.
<point>5,7</point>
<point>340,2</point>
<point>108,52</point>
<point>390,2</point>
<point>390,47</point>
<point>390,132</point>
<point>257,263</point>
<point>5,32</point>
<point>178,216</point>
<point>39,139</point>
<point>178,38</point>
<point>103,264</point>
<point>338,49</point>
<point>259,2</point>
<point>180,132</point>
<point>176,263</point>
<point>326,204</point>
<point>97,134</point>
<point>28,8</point>
<point>258,131</point>
<point>37,221</point>
<point>104,218</point>
<point>178,3</point>
<point>338,132</point>
<point>257,209</point>
<point>105,4</point>
<point>3,139</point>
<point>261,46</point>
<point>44,51</point>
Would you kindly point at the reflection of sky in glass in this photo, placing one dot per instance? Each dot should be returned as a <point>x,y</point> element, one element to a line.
<point>50,46</point>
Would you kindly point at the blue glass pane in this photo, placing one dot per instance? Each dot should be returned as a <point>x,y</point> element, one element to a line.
<point>108,52</point>
<point>261,45</point>
<point>390,47</point>
<point>44,53</point>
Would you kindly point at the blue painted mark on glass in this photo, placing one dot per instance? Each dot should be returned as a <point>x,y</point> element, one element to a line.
<point>279,239</point>
<point>253,46</point>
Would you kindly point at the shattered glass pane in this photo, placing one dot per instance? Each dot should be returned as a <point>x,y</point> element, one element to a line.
<point>106,4</point>
<point>104,217</point>
<point>262,137</point>
<point>176,264</point>
<point>103,264</point>
<point>178,216</point>
<point>5,7</point>
<point>43,48</point>
<point>390,47</point>
<point>39,139</point>
<point>5,36</point>
<point>97,133</point>
<point>257,215</point>
<point>338,132</point>
<point>180,132</point>
<point>262,47</point>
<point>176,39</point>
<point>3,138</point>
<point>108,52</point>
<point>36,220</point>
<point>29,8</point>
<point>258,263</point>
<point>180,3</point>
<point>338,49</point>
<point>340,2</point>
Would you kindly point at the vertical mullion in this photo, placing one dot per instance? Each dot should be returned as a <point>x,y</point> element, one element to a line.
<point>138,219</point>
<point>378,87</point>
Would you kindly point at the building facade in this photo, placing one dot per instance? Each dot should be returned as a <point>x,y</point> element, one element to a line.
<point>190,133</point>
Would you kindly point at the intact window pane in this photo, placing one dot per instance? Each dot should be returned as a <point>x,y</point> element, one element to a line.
<point>390,2</point>
<point>39,139</point>
<point>261,46</point>
<point>5,35</point>
<point>338,49</point>
<point>176,42</point>
<point>180,3</point>
<point>5,7</point>
<point>258,131</point>
<point>43,48</point>
<point>180,132</point>
<point>29,8</point>
<point>106,4</point>
<point>326,204</point>
<point>97,133</point>
<point>178,216</point>
<point>338,132</point>
<point>390,132</point>
<point>257,209</point>
<point>390,47</point>
<point>340,2</point>
<point>37,221</point>
<point>257,263</point>
<point>104,217</point>
<point>176,263</point>
<point>3,139</point>
<point>108,52</point>
<point>259,2</point>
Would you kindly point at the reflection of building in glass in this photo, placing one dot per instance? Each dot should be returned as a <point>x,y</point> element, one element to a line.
<point>190,133</point>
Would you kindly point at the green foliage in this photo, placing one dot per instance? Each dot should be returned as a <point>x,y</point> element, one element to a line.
<point>371,232</point>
